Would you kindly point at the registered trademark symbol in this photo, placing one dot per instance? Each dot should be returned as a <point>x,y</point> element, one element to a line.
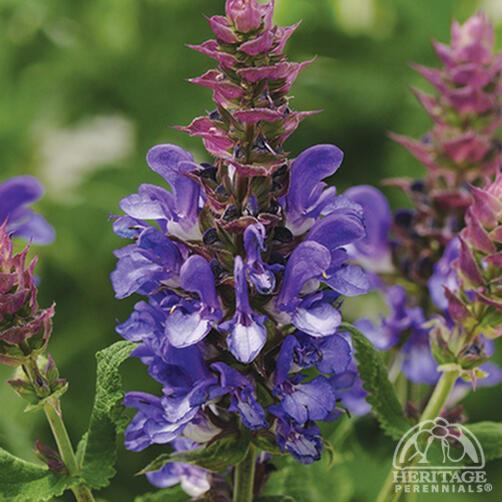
<point>488,487</point>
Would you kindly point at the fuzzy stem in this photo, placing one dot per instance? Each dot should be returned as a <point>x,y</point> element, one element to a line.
<point>433,409</point>
<point>244,477</point>
<point>52,410</point>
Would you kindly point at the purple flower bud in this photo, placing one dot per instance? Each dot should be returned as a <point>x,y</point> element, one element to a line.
<point>246,15</point>
<point>274,72</point>
<point>283,35</point>
<point>216,140</point>
<point>259,45</point>
<point>456,307</point>
<point>477,236</point>
<point>224,90</point>
<point>468,266</point>
<point>222,29</point>
<point>211,49</point>
<point>487,204</point>
<point>255,115</point>
<point>472,41</point>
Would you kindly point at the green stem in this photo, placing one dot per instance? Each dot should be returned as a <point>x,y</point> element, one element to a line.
<point>52,410</point>
<point>387,492</point>
<point>341,433</point>
<point>440,395</point>
<point>53,413</point>
<point>432,410</point>
<point>244,477</point>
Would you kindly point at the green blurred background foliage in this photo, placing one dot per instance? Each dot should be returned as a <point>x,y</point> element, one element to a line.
<point>87,86</point>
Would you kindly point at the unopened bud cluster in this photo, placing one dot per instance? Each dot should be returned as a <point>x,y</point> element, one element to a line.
<point>25,328</point>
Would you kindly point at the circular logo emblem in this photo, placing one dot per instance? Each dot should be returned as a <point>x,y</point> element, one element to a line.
<point>437,444</point>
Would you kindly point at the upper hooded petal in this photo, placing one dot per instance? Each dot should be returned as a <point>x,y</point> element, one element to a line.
<point>307,173</point>
<point>173,164</point>
<point>308,261</point>
<point>165,160</point>
<point>196,276</point>
<point>337,229</point>
<point>150,203</point>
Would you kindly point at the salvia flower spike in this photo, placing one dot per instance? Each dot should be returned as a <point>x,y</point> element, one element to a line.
<point>242,265</point>
<point>461,148</point>
<point>438,262</point>
<point>466,109</point>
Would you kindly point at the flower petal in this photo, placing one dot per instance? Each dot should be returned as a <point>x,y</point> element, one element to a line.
<point>183,330</point>
<point>349,280</point>
<point>246,341</point>
<point>320,320</point>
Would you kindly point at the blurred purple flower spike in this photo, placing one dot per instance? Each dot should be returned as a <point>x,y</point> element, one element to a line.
<point>373,249</point>
<point>16,194</point>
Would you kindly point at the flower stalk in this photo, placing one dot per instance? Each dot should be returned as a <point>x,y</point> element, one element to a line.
<point>244,477</point>
<point>53,413</point>
<point>25,330</point>
<point>434,407</point>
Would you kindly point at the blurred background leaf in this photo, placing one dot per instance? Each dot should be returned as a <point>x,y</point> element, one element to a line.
<point>87,86</point>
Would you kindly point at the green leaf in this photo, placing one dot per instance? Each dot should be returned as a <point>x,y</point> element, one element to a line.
<point>217,456</point>
<point>168,495</point>
<point>491,320</point>
<point>266,442</point>
<point>22,481</point>
<point>381,393</point>
<point>489,434</point>
<point>98,447</point>
<point>318,482</point>
<point>40,404</point>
